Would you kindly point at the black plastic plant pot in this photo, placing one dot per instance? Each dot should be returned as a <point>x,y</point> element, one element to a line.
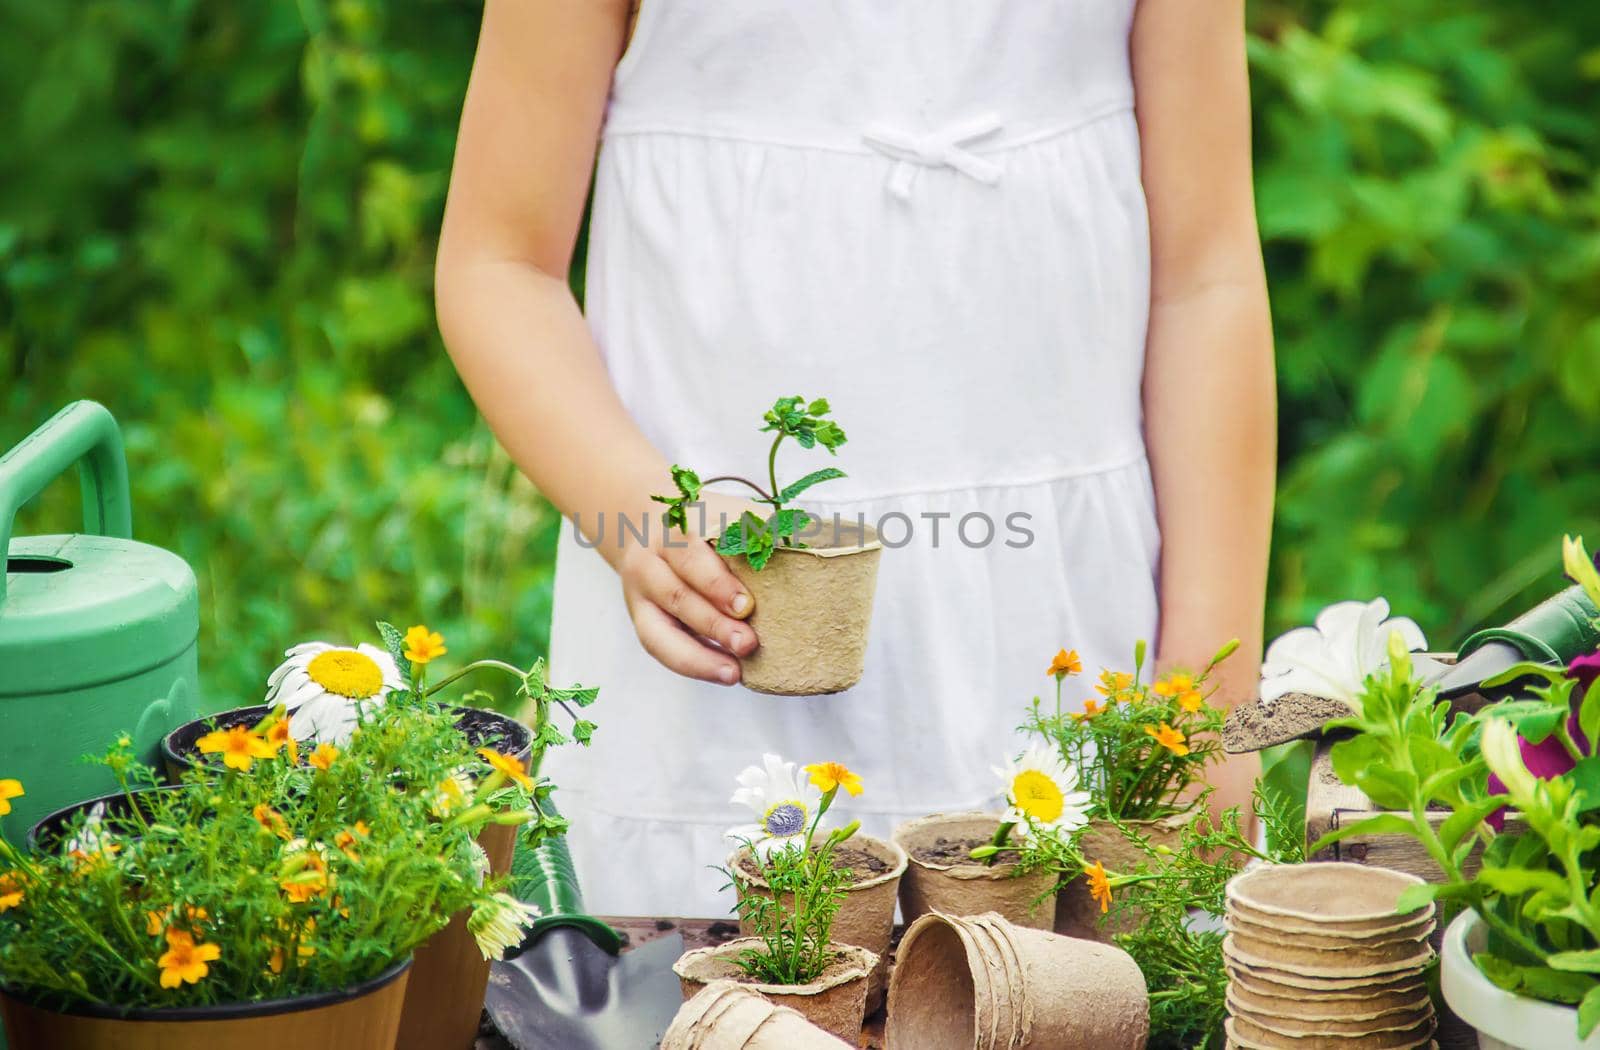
<point>180,749</point>
<point>51,827</point>
<point>365,1016</point>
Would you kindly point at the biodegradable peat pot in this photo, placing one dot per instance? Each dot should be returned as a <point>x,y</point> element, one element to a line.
<point>813,606</point>
<point>942,877</point>
<point>836,1002</point>
<point>1329,898</point>
<point>726,1015</point>
<point>1246,1035</point>
<point>983,983</point>
<point>444,1003</point>
<point>866,916</point>
<point>1077,913</point>
<point>364,1017</point>
<point>1503,1021</point>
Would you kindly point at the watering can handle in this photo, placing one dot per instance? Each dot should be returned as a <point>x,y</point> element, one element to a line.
<point>83,431</point>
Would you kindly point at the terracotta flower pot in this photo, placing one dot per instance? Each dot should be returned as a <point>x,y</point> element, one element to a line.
<point>726,1015</point>
<point>941,877</point>
<point>1077,913</point>
<point>866,916</point>
<point>450,976</point>
<point>364,1017</point>
<point>835,1002</point>
<point>982,983</point>
<point>813,608</point>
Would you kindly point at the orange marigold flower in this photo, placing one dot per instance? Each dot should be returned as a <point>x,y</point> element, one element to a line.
<point>510,765</point>
<point>423,645</point>
<point>238,746</point>
<point>1169,738</point>
<point>9,789</point>
<point>829,776</point>
<point>1099,885</point>
<point>86,861</point>
<point>275,964</point>
<point>323,756</point>
<point>272,820</point>
<point>185,961</point>
<point>10,890</point>
<point>1191,701</point>
<point>278,737</point>
<point>1066,663</point>
<point>346,840</point>
<point>311,880</point>
<point>1174,684</point>
<point>1090,709</point>
<point>1113,682</point>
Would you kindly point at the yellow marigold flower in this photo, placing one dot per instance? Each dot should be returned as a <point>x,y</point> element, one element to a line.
<point>1173,685</point>
<point>828,776</point>
<point>9,789</point>
<point>1066,663</point>
<point>279,739</point>
<point>323,757</point>
<point>1113,682</point>
<point>1191,701</point>
<point>346,839</point>
<point>310,880</point>
<point>1099,885</point>
<point>10,891</point>
<point>452,795</point>
<point>185,961</point>
<point>510,765</point>
<point>423,645</point>
<point>156,921</point>
<point>275,964</point>
<point>1090,709</point>
<point>86,861</point>
<point>1169,738</point>
<point>238,746</point>
<point>272,820</point>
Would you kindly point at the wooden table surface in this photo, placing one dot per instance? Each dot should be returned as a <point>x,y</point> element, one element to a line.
<point>697,933</point>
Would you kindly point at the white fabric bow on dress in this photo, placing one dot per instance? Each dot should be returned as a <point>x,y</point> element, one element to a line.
<point>946,148</point>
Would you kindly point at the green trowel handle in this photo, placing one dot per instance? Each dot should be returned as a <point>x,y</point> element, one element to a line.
<point>83,431</point>
<point>545,876</point>
<point>1554,631</point>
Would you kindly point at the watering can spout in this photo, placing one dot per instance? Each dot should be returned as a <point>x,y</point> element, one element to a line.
<point>84,432</point>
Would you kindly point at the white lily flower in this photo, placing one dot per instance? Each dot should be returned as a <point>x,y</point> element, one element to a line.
<point>1332,659</point>
<point>324,687</point>
<point>784,806</point>
<point>499,924</point>
<point>92,838</point>
<point>1041,789</point>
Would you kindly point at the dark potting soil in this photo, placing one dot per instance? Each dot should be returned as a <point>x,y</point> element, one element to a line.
<point>862,865</point>
<point>959,851</point>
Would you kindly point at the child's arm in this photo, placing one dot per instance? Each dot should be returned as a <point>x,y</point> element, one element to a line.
<point>529,133</point>
<point>1210,397</point>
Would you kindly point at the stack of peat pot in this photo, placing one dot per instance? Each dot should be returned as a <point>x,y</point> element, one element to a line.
<point>1318,956</point>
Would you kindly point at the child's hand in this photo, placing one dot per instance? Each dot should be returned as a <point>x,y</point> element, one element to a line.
<point>683,598</point>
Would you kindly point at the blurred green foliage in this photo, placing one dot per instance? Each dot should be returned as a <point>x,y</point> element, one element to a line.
<point>219,219</point>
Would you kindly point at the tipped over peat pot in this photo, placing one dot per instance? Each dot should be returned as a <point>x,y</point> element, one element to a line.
<point>726,1015</point>
<point>813,606</point>
<point>836,1002</point>
<point>364,1016</point>
<point>866,915</point>
<point>942,877</point>
<point>450,977</point>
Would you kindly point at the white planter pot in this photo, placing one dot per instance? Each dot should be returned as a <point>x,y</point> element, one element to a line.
<point>1504,1021</point>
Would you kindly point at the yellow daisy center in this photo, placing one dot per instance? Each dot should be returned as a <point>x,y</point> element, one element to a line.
<point>1038,796</point>
<point>346,672</point>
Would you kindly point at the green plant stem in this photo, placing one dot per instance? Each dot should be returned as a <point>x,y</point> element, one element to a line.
<point>476,665</point>
<point>766,497</point>
<point>1001,835</point>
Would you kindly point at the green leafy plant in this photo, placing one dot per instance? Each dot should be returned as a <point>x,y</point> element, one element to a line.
<point>791,418</point>
<point>269,877</point>
<point>1141,745</point>
<point>794,920</point>
<point>1448,783</point>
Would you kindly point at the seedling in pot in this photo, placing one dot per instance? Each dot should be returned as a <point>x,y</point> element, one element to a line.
<point>754,539</point>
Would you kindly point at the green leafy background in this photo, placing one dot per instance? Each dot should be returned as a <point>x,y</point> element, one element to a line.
<point>219,219</point>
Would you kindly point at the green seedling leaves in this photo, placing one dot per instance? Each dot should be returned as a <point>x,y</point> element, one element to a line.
<point>804,422</point>
<point>816,476</point>
<point>676,515</point>
<point>395,643</point>
<point>756,539</point>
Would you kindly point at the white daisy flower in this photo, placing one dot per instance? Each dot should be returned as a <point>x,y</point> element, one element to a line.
<point>499,923</point>
<point>1334,658</point>
<point>91,838</point>
<point>324,687</point>
<point>784,805</point>
<point>1041,790</point>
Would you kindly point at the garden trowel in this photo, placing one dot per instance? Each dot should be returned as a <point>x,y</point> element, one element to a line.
<point>567,986</point>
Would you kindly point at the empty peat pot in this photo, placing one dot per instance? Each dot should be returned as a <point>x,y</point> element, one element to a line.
<point>942,877</point>
<point>444,1003</point>
<point>836,1002</point>
<point>982,983</point>
<point>363,1017</point>
<point>866,915</point>
<point>726,1015</point>
<point>813,606</point>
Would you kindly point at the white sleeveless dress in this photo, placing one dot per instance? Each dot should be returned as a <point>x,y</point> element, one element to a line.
<point>929,212</point>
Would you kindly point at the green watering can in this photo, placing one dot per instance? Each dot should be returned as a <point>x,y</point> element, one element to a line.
<point>97,631</point>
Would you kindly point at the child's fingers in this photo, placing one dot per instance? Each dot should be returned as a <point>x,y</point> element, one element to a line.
<point>678,598</point>
<point>707,573</point>
<point>675,649</point>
